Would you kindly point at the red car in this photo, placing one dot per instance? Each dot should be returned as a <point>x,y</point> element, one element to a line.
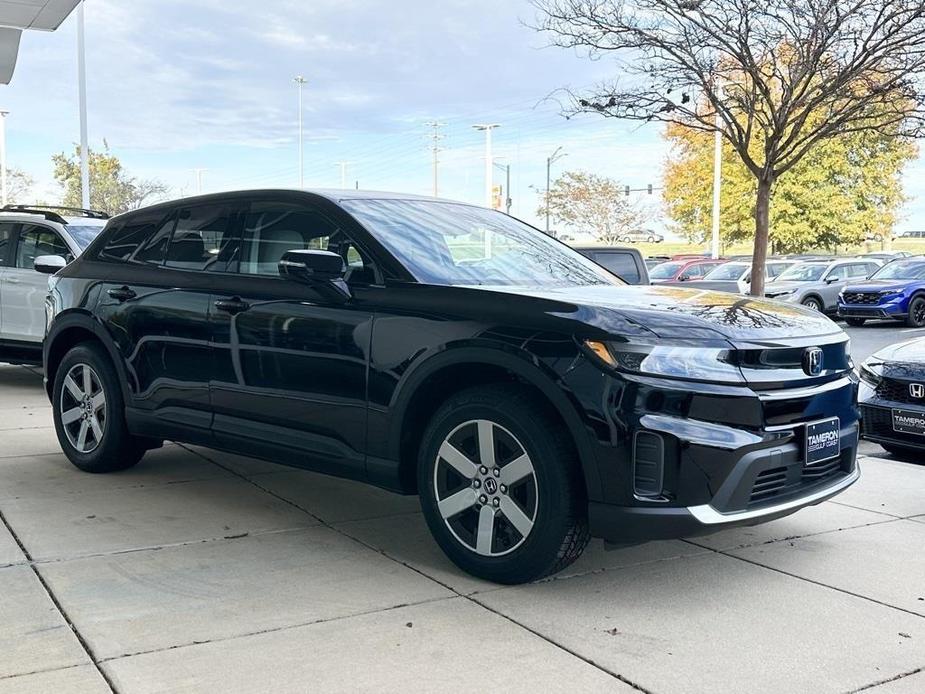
<point>683,270</point>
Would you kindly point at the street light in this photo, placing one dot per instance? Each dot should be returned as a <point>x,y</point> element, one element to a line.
<point>3,115</point>
<point>301,81</point>
<point>549,162</point>
<point>487,127</point>
<point>82,99</point>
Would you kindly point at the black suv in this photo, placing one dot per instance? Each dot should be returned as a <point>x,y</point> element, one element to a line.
<point>528,396</point>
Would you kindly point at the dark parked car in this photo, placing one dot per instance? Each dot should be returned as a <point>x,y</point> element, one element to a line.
<point>625,263</point>
<point>529,397</point>
<point>892,399</point>
<point>687,270</point>
<point>897,291</point>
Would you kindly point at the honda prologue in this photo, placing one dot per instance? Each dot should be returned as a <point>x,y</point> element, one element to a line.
<point>529,397</point>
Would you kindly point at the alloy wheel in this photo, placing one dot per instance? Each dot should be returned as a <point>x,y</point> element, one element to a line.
<point>485,487</point>
<point>83,408</point>
<point>918,312</point>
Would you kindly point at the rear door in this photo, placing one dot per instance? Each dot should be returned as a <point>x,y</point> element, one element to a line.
<point>155,305</point>
<point>620,263</point>
<point>7,232</point>
<point>22,288</point>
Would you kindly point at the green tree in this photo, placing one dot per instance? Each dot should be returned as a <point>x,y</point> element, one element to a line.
<point>590,203</point>
<point>843,190</point>
<point>112,190</point>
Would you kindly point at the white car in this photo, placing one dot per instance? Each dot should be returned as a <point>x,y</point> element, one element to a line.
<point>52,235</point>
<point>736,276</point>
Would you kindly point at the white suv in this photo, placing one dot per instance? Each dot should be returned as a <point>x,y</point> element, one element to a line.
<point>56,235</point>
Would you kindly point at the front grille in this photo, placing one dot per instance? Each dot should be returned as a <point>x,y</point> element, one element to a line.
<point>898,391</point>
<point>769,484</point>
<point>868,298</point>
<point>878,422</point>
<point>778,482</point>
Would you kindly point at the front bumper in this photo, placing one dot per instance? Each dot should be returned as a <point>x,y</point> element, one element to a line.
<point>877,419</point>
<point>895,308</point>
<point>725,473</point>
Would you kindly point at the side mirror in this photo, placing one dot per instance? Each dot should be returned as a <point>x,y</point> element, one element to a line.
<point>684,278</point>
<point>323,270</point>
<point>49,264</point>
<point>831,280</point>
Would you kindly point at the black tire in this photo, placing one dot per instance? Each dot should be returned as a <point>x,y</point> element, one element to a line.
<point>559,532</point>
<point>916,317</point>
<point>855,322</point>
<point>912,455</point>
<point>116,448</point>
<point>813,303</point>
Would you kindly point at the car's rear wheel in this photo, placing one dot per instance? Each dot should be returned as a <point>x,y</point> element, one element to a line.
<point>916,317</point>
<point>813,303</point>
<point>904,452</point>
<point>500,486</point>
<point>855,322</point>
<point>88,412</point>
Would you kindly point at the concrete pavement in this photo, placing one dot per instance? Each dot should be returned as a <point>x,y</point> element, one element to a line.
<point>199,571</point>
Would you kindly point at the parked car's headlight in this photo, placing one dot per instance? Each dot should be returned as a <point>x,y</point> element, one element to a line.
<point>689,363</point>
<point>891,292</point>
<point>785,292</point>
<point>871,372</point>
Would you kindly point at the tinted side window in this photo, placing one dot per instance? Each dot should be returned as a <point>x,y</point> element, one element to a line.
<point>133,239</point>
<point>6,241</point>
<point>623,265</point>
<point>35,241</point>
<point>201,234</point>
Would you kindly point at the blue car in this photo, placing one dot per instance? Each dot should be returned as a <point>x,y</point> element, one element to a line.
<point>897,290</point>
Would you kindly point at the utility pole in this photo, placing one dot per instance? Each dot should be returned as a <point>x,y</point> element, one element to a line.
<point>301,81</point>
<point>552,159</point>
<point>435,148</point>
<point>489,161</point>
<point>82,99</point>
<point>717,179</point>
<point>3,191</point>
<point>507,186</point>
<point>199,173</point>
<point>343,173</point>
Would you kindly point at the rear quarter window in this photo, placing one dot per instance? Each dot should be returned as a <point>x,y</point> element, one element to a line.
<point>623,265</point>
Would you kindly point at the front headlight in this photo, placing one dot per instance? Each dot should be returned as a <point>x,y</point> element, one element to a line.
<point>777,295</point>
<point>890,292</point>
<point>688,363</point>
<point>871,372</point>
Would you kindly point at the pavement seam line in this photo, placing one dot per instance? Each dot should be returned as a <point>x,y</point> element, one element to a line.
<point>43,671</point>
<point>425,575</point>
<point>58,606</point>
<point>815,582</point>
<point>273,630</point>
<point>861,508</point>
<point>898,677</point>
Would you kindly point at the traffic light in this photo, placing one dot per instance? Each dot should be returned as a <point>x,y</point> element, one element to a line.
<point>496,197</point>
<point>626,190</point>
<point>650,189</point>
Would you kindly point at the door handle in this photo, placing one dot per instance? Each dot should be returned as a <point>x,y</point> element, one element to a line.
<point>122,294</point>
<point>233,305</point>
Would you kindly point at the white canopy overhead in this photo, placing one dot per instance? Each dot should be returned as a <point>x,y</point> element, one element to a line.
<point>16,15</point>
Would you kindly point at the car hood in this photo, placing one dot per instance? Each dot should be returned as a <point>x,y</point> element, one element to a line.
<point>909,352</point>
<point>781,287</point>
<point>683,312</point>
<point>879,285</point>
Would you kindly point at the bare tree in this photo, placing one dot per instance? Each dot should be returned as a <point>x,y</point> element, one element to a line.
<point>590,203</point>
<point>776,77</point>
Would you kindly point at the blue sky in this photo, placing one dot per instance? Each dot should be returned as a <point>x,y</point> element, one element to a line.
<point>175,85</point>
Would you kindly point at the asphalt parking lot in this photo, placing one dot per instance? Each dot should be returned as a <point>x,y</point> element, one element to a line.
<point>206,572</point>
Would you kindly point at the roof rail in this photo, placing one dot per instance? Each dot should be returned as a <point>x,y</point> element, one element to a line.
<point>43,209</point>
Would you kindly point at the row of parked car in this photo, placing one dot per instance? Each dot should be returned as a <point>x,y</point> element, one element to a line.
<point>858,289</point>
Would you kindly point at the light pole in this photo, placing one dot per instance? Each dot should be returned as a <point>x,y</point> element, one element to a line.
<point>717,178</point>
<point>507,186</point>
<point>549,162</point>
<point>300,80</point>
<point>199,173</point>
<point>3,194</point>
<point>343,173</point>
<point>82,98</point>
<point>489,161</point>
<point>435,147</point>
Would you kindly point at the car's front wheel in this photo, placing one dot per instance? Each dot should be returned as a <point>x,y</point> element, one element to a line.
<point>855,322</point>
<point>88,412</point>
<point>916,318</point>
<point>500,486</point>
<point>813,303</point>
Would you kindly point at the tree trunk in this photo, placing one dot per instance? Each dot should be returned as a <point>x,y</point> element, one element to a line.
<point>762,229</point>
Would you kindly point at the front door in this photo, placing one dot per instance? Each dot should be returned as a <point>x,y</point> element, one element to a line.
<point>23,289</point>
<point>291,363</point>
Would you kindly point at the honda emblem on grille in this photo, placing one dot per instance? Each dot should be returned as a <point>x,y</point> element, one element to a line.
<point>812,361</point>
<point>917,390</point>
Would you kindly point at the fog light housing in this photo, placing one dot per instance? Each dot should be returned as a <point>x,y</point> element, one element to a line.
<point>648,464</point>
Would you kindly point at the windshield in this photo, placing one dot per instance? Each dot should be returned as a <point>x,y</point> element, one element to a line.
<point>83,234</point>
<point>665,271</point>
<point>802,273</point>
<point>901,270</point>
<point>729,271</point>
<point>452,244</point>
